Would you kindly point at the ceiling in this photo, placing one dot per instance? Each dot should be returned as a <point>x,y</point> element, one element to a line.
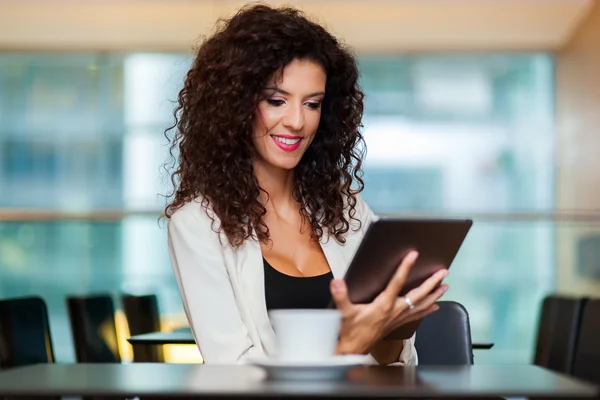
<point>368,25</point>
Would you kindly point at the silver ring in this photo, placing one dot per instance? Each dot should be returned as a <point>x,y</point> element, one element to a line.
<point>409,302</point>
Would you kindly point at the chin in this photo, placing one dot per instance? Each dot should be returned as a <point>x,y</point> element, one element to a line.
<point>286,164</point>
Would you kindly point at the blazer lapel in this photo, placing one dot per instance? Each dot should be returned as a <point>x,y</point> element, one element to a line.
<point>253,280</point>
<point>331,250</point>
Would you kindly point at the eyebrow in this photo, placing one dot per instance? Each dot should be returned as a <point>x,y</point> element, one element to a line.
<point>277,90</point>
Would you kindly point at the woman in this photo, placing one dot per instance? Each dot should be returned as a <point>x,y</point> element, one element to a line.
<point>264,213</point>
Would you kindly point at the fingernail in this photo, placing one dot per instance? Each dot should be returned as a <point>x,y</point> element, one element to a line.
<point>445,287</point>
<point>435,308</point>
<point>443,273</point>
<point>412,256</point>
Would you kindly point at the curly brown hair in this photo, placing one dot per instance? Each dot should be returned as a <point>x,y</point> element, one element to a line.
<point>215,112</point>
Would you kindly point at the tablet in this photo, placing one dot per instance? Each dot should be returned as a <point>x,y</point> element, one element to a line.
<point>387,241</point>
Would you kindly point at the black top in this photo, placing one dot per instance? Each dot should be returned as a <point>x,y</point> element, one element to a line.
<point>286,291</point>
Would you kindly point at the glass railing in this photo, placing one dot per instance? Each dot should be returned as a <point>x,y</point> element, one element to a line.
<point>504,269</point>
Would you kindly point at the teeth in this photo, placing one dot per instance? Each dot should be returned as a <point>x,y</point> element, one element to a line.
<point>286,141</point>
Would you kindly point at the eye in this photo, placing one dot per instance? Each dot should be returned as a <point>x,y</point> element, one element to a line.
<point>275,102</point>
<point>314,105</point>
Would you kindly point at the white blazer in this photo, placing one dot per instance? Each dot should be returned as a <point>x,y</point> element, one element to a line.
<point>223,291</point>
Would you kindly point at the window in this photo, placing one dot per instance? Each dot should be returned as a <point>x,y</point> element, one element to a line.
<point>446,134</point>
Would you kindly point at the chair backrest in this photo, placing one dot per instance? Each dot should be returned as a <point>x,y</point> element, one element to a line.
<point>444,337</point>
<point>142,313</point>
<point>143,316</point>
<point>586,363</point>
<point>93,328</point>
<point>557,332</point>
<point>24,332</point>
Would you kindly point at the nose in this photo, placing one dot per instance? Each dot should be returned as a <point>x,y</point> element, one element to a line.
<point>294,118</point>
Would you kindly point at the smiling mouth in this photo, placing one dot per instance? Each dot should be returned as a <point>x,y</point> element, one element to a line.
<point>287,143</point>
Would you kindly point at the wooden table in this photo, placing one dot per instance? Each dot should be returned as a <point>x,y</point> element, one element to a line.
<point>184,336</point>
<point>160,380</point>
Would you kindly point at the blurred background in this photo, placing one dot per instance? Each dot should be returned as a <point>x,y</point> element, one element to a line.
<point>484,109</point>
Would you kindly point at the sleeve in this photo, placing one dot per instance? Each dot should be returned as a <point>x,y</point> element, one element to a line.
<point>206,291</point>
<point>408,356</point>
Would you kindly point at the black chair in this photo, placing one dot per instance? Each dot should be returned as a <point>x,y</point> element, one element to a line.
<point>444,337</point>
<point>143,316</point>
<point>557,332</point>
<point>93,328</point>
<point>24,332</point>
<point>586,363</point>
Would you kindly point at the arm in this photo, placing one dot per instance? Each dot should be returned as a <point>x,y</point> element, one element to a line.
<point>208,298</point>
<point>387,351</point>
<point>399,352</point>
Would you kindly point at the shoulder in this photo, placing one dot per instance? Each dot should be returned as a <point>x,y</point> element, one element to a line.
<point>195,218</point>
<point>362,213</point>
<point>359,222</point>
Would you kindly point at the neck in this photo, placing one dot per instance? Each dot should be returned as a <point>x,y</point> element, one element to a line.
<point>278,183</point>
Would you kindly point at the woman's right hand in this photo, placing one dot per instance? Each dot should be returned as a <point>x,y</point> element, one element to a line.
<point>363,325</point>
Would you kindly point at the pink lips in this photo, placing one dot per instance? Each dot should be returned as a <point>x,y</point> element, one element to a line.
<point>287,147</point>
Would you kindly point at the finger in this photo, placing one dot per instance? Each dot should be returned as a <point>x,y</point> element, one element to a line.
<point>430,299</point>
<point>390,293</point>
<point>339,292</point>
<point>421,314</point>
<point>401,308</point>
<point>418,294</point>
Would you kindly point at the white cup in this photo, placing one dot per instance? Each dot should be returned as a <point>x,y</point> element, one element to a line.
<point>306,335</point>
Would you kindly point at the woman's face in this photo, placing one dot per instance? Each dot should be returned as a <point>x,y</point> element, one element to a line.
<point>287,119</point>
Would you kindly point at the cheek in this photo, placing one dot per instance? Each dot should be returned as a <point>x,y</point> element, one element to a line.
<point>261,127</point>
<point>265,120</point>
<point>258,125</point>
